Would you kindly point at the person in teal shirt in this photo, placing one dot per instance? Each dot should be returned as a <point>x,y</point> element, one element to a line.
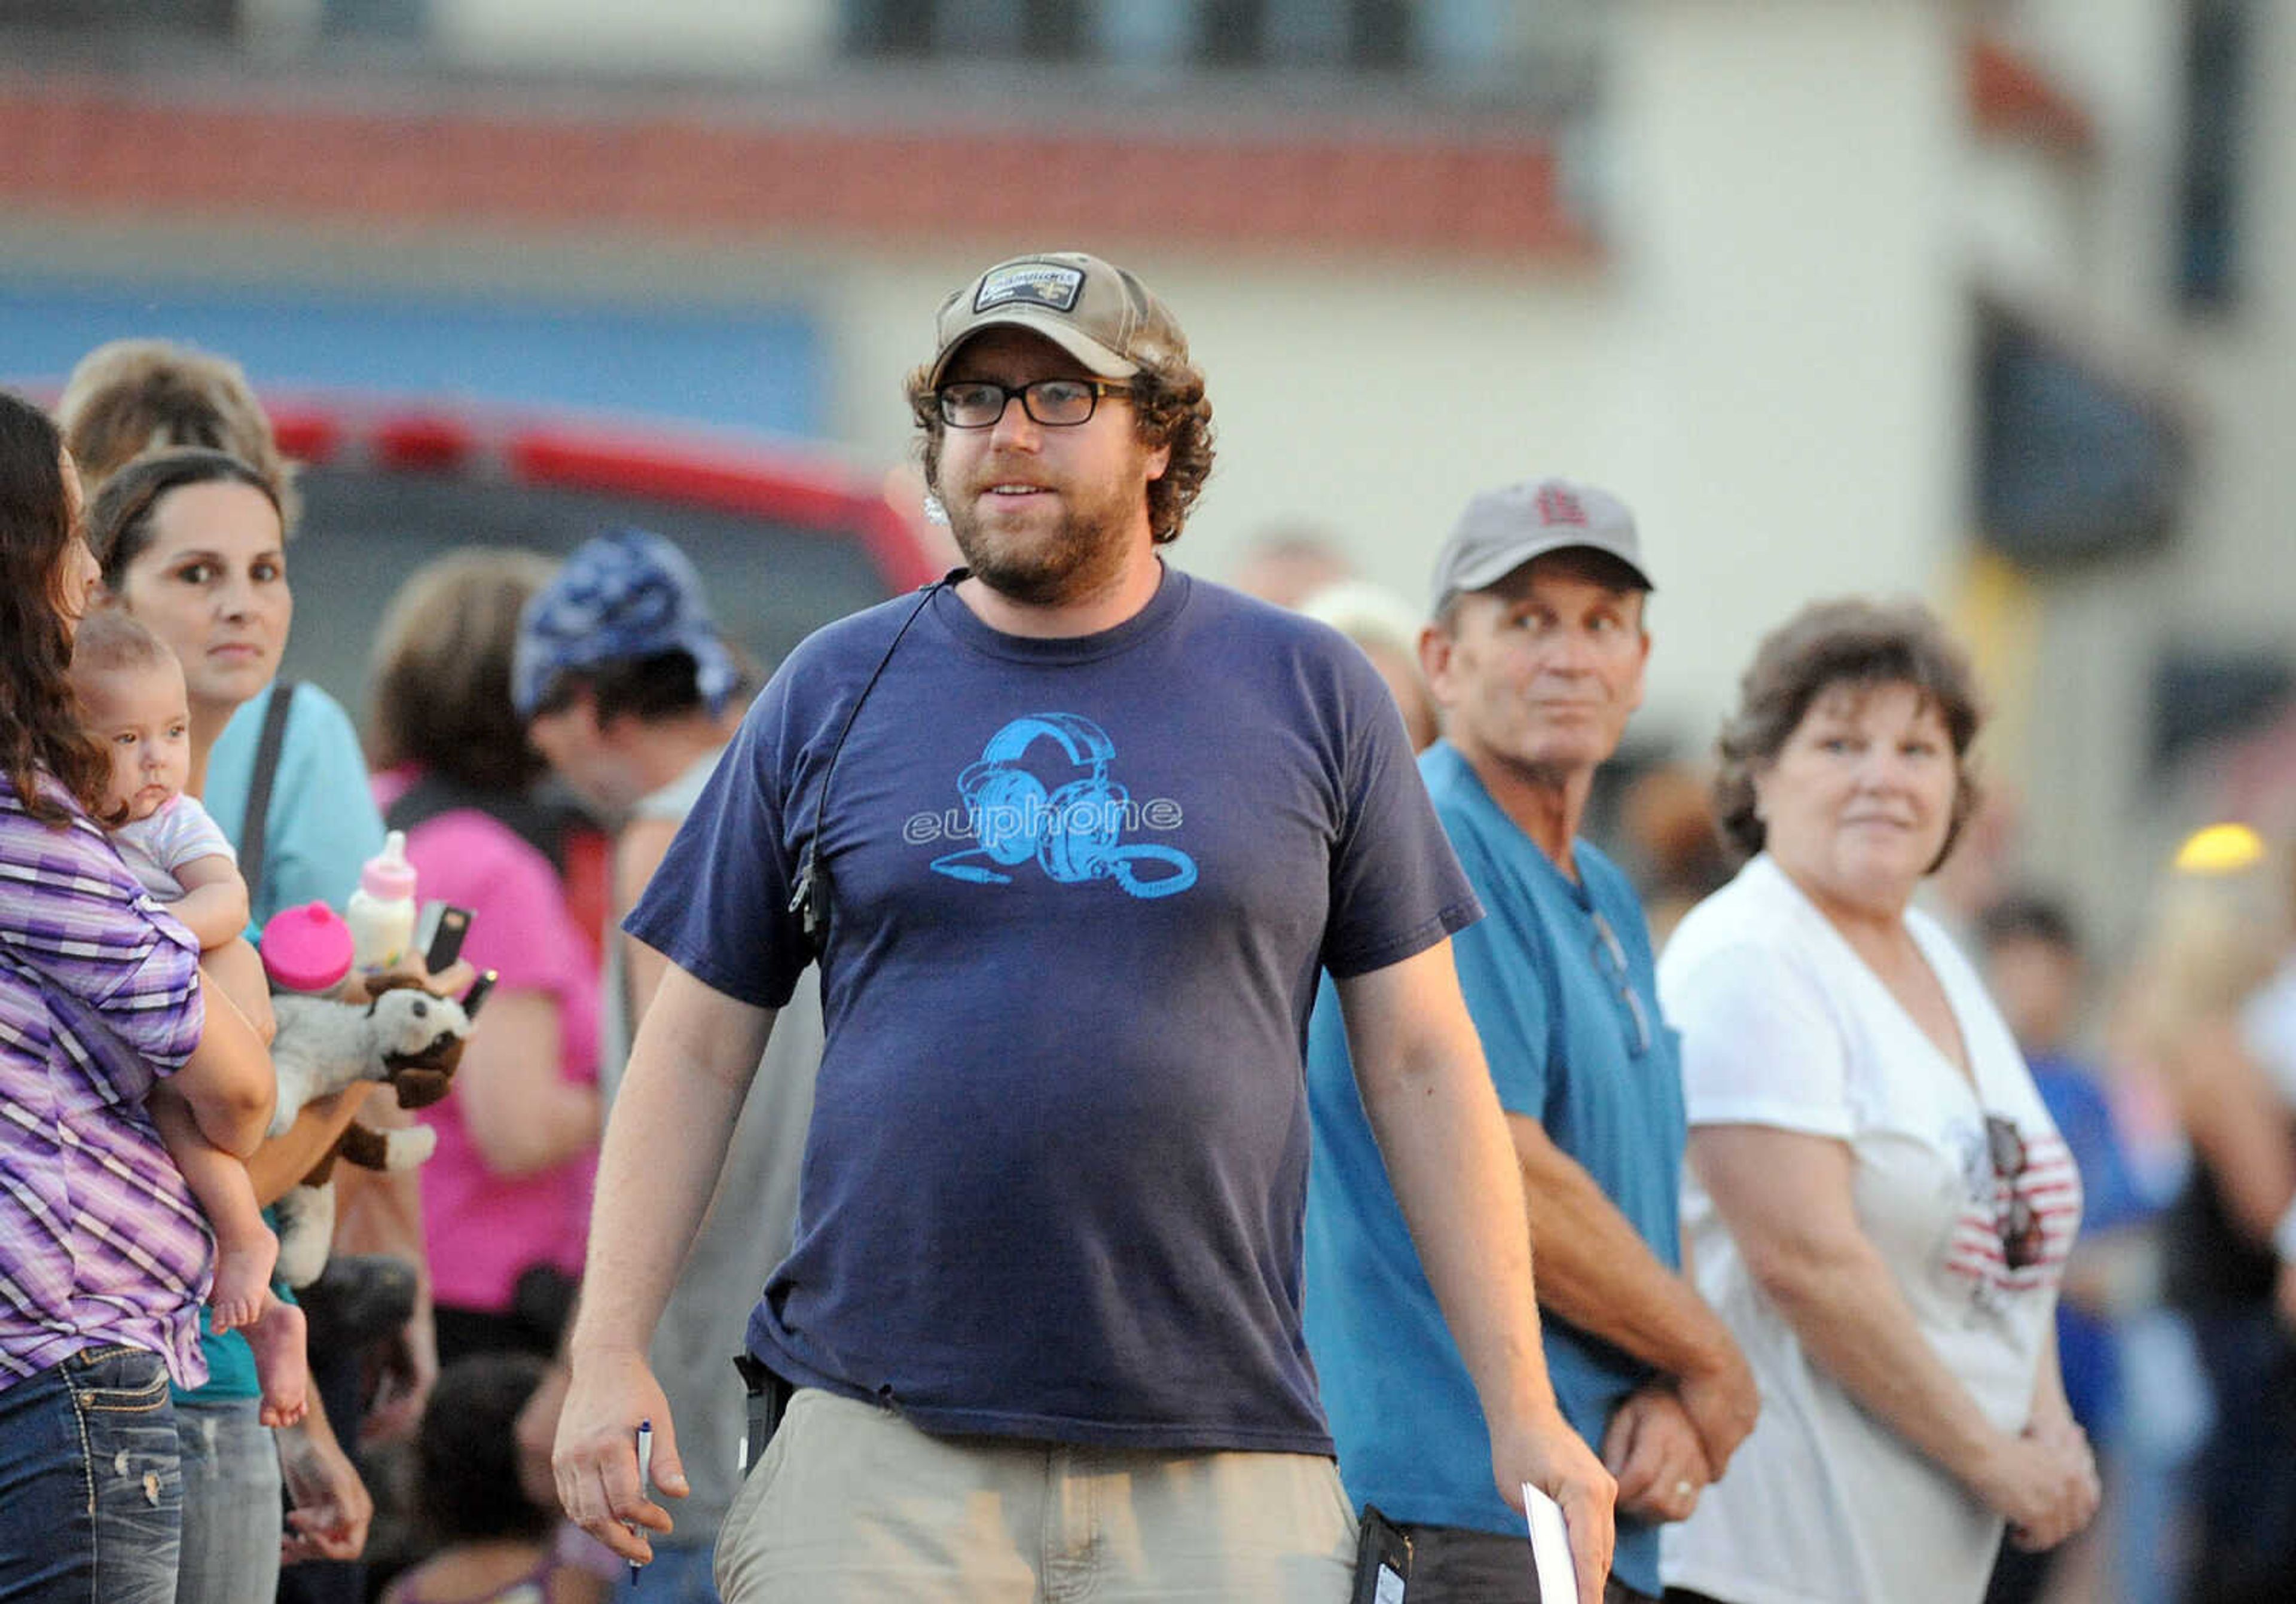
<point>1536,656</point>
<point>321,826</point>
<point>192,541</point>
<point>323,823</point>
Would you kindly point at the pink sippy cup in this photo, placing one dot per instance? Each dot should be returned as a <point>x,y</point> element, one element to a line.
<point>307,949</point>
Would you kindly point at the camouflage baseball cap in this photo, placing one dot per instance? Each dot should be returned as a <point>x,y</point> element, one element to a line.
<point>1097,313</point>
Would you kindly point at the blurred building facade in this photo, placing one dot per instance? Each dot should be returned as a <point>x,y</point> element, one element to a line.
<point>1994,303</point>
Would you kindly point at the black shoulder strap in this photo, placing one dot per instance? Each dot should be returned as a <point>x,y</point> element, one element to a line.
<point>258,784</point>
<point>542,825</point>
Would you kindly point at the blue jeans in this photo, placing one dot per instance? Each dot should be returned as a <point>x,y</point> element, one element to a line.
<point>2247,1473</point>
<point>91,1496</point>
<point>232,1506</point>
<point>335,1377</point>
<point>680,1574</point>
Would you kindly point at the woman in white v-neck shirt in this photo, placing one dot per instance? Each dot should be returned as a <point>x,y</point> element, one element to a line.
<point>1877,1202</point>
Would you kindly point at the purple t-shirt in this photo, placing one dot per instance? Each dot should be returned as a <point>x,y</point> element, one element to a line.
<point>100,1242</point>
<point>1084,887</point>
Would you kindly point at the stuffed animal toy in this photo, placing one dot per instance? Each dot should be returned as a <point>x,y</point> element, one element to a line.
<point>409,1039</point>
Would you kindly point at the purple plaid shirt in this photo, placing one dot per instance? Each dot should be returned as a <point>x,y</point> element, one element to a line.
<point>100,1242</point>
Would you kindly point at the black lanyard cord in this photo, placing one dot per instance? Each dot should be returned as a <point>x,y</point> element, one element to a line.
<point>810,899</point>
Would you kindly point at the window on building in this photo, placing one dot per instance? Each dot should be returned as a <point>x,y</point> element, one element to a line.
<point>399,20</point>
<point>2073,464</point>
<point>2218,53</point>
<point>888,28</point>
<point>200,18</point>
<point>2205,695</point>
<point>1439,36</point>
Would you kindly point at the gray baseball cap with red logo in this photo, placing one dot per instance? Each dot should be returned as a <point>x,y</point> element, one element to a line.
<point>1503,529</point>
<point>1096,312</point>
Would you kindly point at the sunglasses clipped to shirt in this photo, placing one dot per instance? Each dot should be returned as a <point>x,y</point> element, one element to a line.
<point>2017,1221</point>
<point>1611,957</point>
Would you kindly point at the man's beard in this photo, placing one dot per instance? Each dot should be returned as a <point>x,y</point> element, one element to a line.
<point>1083,556</point>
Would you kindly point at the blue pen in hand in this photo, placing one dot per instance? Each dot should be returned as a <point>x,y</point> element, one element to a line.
<point>646,1482</point>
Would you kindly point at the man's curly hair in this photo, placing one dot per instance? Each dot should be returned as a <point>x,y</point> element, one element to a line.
<point>1169,407</point>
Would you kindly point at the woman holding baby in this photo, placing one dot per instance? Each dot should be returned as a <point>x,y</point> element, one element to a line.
<point>191,509</point>
<point>101,1245</point>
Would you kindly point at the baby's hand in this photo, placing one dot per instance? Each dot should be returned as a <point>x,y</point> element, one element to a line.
<point>213,906</point>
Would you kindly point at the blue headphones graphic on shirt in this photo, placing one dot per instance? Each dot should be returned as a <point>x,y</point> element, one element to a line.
<point>1072,829</point>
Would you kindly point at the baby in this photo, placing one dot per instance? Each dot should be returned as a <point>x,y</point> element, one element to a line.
<point>132,697</point>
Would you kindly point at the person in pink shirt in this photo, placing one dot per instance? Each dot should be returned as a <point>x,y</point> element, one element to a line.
<point>507,1199</point>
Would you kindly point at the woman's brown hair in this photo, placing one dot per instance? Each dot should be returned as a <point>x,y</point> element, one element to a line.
<point>135,396</point>
<point>40,716</point>
<point>119,520</point>
<point>1855,643</point>
<point>440,677</point>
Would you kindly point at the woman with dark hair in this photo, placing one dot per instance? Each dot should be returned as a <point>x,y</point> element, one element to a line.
<point>192,545</point>
<point>101,1246</point>
<point>506,1197</point>
<point>1877,1203</point>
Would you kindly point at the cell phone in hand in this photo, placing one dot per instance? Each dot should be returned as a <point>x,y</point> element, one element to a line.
<point>1382,1559</point>
<point>439,934</point>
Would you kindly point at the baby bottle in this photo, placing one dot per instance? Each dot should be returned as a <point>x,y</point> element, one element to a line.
<point>380,913</point>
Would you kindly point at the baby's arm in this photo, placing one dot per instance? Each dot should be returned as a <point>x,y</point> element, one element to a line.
<point>214,904</point>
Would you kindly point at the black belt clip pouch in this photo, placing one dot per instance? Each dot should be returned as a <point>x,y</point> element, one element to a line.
<point>768,1398</point>
<point>1382,1559</point>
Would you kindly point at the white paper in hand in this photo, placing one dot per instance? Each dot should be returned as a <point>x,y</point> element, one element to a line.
<point>1550,1547</point>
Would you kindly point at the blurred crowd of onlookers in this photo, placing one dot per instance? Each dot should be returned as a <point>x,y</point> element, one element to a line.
<point>2170,1071</point>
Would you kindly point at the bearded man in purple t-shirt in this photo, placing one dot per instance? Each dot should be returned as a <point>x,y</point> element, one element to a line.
<point>1071,836</point>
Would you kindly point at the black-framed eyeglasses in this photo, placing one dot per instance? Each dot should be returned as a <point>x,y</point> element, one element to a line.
<point>1610,955</point>
<point>1055,402</point>
<point>2016,1221</point>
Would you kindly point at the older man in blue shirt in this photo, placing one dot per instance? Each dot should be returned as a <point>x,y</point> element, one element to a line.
<point>1535,654</point>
